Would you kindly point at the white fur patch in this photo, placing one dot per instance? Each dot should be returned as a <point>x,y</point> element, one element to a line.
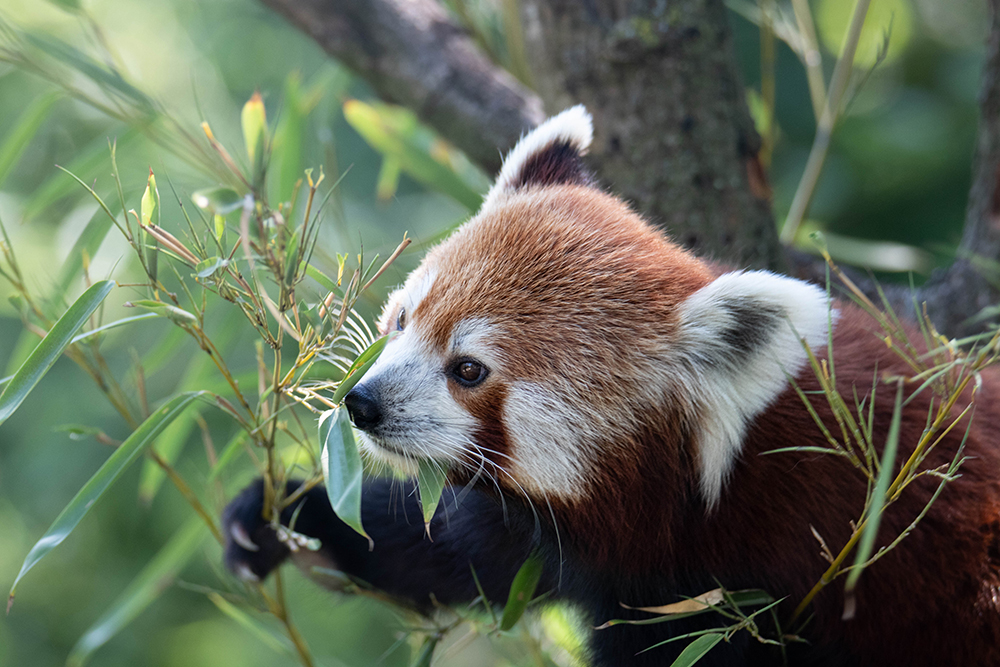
<point>574,126</point>
<point>741,337</point>
<point>420,417</point>
<point>548,441</point>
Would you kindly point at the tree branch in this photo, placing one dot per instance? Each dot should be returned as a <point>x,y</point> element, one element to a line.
<point>414,55</point>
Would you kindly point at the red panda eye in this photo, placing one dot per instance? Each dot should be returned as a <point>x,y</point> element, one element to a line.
<point>401,319</point>
<point>469,372</point>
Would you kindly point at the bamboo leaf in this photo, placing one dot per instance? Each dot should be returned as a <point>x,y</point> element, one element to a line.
<point>321,278</point>
<point>521,591</point>
<point>106,475</point>
<point>431,479</point>
<point>394,132</point>
<point>697,649</point>
<point>289,137</point>
<point>51,347</point>
<point>874,516</point>
<point>147,586</point>
<point>150,200</point>
<point>25,129</point>
<point>169,446</point>
<point>360,366</point>
<point>342,468</point>
<point>254,122</point>
<point>388,178</point>
<point>426,654</point>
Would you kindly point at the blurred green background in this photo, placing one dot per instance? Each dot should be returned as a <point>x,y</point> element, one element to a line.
<point>898,171</point>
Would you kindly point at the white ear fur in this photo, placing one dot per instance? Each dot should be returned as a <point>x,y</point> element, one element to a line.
<point>572,126</point>
<point>742,337</point>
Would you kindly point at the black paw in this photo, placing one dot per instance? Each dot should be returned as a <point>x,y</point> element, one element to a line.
<point>253,548</point>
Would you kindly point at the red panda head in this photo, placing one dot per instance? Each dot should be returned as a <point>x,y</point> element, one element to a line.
<point>556,337</point>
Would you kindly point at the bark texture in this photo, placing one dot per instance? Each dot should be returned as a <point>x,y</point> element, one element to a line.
<point>414,55</point>
<point>672,130</point>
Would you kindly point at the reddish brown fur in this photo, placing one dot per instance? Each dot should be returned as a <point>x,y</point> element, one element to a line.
<point>499,271</point>
<point>644,513</point>
<point>940,587</point>
<point>607,288</point>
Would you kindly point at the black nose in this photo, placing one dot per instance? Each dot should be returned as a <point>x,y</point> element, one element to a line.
<point>363,407</point>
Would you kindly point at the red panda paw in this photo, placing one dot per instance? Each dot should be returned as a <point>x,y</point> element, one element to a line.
<point>253,547</point>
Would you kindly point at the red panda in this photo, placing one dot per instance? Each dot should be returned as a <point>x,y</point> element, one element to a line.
<point>608,400</point>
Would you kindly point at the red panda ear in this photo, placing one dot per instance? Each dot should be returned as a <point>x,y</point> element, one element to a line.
<point>743,335</point>
<point>551,154</point>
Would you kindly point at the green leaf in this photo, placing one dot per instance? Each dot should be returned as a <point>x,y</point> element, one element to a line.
<point>220,227</point>
<point>874,515</point>
<point>175,314</point>
<point>150,199</point>
<point>395,132</point>
<point>25,129</point>
<point>342,468</point>
<point>169,446</point>
<point>256,628</point>
<point>254,122</point>
<point>218,201</point>
<point>51,347</point>
<point>360,366</point>
<point>147,586</point>
<point>321,278</point>
<point>388,178</point>
<point>521,591</point>
<point>207,267</point>
<point>426,654</point>
<point>431,479</point>
<point>289,137</point>
<point>292,257</point>
<point>148,204</point>
<point>106,475</point>
<point>697,649</point>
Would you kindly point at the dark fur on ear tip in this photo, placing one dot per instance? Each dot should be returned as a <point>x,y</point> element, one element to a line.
<point>551,154</point>
<point>560,163</point>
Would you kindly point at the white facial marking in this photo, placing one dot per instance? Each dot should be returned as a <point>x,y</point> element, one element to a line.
<point>573,125</point>
<point>549,441</point>
<point>741,337</point>
<point>420,417</point>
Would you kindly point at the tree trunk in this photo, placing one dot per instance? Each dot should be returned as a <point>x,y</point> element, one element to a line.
<point>672,130</point>
<point>970,284</point>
